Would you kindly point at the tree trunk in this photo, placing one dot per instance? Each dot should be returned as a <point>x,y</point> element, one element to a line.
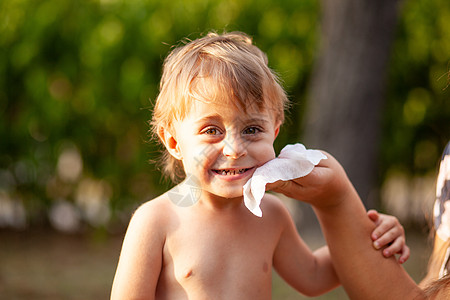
<point>348,85</point>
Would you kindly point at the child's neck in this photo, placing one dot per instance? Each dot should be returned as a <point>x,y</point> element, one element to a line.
<point>188,193</point>
<point>218,203</point>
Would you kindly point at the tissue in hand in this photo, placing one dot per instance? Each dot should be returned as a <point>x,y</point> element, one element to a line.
<point>293,162</point>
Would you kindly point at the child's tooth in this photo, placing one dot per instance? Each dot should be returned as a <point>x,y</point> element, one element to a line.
<point>232,172</point>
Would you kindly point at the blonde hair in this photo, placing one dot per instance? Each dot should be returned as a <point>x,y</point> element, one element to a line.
<point>438,289</point>
<point>436,261</point>
<point>224,68</point>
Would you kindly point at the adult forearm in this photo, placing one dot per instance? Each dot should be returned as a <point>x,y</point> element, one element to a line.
<point>363,271</point>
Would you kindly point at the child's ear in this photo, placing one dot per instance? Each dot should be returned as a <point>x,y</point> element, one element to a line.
<point>170,142</point>
<point>277,129</point>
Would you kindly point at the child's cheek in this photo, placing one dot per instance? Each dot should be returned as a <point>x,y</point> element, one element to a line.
<point>204,155</point>
<point>265,152</point>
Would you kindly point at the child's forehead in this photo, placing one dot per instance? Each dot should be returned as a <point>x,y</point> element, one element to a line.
<point>223,94</point>
<point>204,110</point>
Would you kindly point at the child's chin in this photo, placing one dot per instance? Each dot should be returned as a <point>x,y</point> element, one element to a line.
<point>229,194</point>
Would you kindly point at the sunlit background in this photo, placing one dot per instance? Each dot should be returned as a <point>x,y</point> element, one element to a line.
<point>77,83</point>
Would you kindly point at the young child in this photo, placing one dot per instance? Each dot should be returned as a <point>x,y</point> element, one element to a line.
<point>218,113</point>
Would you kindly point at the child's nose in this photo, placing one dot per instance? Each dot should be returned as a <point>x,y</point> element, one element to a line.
<point>234,147</point>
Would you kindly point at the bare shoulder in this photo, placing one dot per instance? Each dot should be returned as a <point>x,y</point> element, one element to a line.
<point>153,208</point>
<point>153,215</point>
<point>273,207</point>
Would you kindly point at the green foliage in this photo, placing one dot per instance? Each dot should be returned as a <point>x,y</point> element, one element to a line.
<point>79,77</point>
<point>417,113</point>
<point>77,80</point>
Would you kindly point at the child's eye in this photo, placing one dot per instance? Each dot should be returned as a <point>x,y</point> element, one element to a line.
<point>251,130</point>
<point>211,131</point>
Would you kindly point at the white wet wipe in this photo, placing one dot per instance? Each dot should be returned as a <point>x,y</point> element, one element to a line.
<point>293,162</point>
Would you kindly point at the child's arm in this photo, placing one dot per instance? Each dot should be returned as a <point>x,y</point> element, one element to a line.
<point>310,273</point>
<point>141,257</point>
<point>389,232</point>
<point>364,273</point>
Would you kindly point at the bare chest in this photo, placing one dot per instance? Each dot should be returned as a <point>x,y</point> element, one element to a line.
<point>214,258</point>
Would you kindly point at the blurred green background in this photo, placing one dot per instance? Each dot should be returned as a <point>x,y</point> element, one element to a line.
<point>78,79</point>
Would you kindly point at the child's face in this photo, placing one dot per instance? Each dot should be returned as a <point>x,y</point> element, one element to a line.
<point>222,146</point>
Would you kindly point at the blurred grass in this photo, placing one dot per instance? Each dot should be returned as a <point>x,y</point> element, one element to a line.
<point>49,265</point>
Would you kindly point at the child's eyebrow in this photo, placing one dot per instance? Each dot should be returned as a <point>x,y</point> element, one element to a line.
<point>257,120</point>
<point>209,118</point>
<point>218,118</point>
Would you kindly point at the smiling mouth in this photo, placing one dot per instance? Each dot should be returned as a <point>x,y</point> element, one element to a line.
<point>230,171</point>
